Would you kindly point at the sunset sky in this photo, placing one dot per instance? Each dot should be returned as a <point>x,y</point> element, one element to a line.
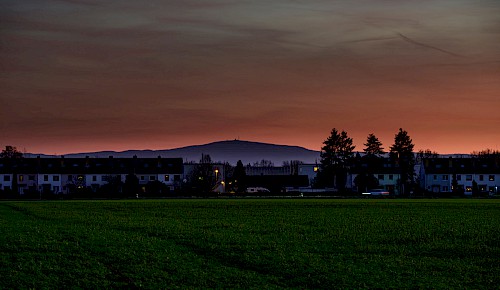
<point>88,75</point>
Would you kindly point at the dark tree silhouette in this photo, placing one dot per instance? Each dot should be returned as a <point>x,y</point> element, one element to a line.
<point>11,153</point>
<point>402,153</point>
<point>131,186</point>
<point>238,180</point>
<point>336,155</point>
<point>113,187</point>
<point>202,179</point>
<point>365,182</point>
<point>373,145</point>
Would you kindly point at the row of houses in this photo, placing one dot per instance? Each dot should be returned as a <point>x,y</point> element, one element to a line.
<point>440,174</point>
<point>62,175</point>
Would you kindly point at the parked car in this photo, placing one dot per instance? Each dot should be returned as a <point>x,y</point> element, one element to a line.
<point>257,189</point>
<point>375,192</point>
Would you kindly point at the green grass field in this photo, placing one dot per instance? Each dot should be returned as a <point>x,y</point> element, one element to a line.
<point>243,243</point>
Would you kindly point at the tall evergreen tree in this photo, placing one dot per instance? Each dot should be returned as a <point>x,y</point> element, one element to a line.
<point>373,145</point>
<point>336,155</point>
<point>402,153</point>
<point>238,181</point>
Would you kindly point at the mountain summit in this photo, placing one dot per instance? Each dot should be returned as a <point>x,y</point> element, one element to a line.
<point>224,151</point>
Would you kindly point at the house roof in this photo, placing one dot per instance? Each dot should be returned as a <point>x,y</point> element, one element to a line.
<point>461,165</point>
<point>92,165</point>
<point>374,165</point>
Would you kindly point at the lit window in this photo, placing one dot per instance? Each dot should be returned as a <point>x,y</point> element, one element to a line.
<point>491,178</point>
<point>167,177</point>
<point>468,188</point>
<point>315,168</point>
<point>21,178</point>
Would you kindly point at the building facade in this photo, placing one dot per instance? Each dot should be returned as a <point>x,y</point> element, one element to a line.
<point>64,175</point>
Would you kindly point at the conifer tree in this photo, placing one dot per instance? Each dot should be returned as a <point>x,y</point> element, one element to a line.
<point>402,153</point>
<point>336,155</point>
<point>373,145</point>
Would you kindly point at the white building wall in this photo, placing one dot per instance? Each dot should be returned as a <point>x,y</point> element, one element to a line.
<point>54,181</point>
<point>6,181</point>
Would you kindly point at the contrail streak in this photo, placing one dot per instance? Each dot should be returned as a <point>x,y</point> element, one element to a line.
<point>371,39</point>
<point>405,38</point>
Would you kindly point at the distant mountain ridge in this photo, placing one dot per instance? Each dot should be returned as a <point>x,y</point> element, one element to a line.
<point>224,151</point>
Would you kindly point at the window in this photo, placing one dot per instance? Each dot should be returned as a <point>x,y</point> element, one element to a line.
<point>468,188</point>
<point>459,177</point>
<point>31,177</point>
<point>391,177</point>
<point>445,188</point>
<point>6,178</point>
<point>80,177</point>
<point>94,178</point>
<point>55,178</point>
<point>468,177</point>
<point>482,188</point>
<point>167,177</point>
<point>435,177</point>
<point>316,168</point>
<point>380,177</point>
<point>491,178</point>
<point>177,177</point>
<point>481,177</point>
<point>152,178</point>
<point>21,178</point>
<point>70,177</point>
<point>142,177</point>
<point>45,178</point>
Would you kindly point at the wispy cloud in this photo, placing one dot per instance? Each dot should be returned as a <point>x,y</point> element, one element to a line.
<point>211,69</point>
